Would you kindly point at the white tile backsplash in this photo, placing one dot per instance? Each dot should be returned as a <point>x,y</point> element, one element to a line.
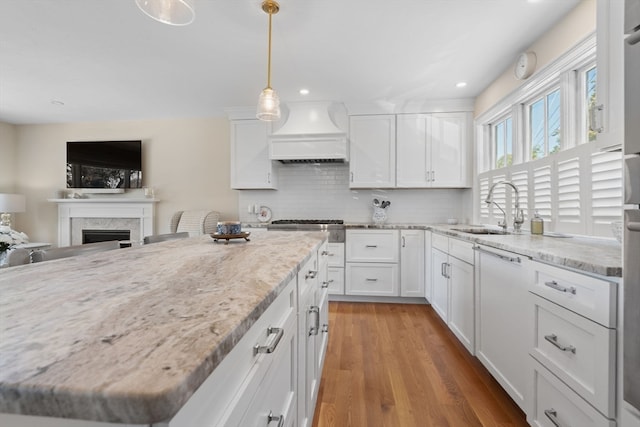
<point>321,191</point>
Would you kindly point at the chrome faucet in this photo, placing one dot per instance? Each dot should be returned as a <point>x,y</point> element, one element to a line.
<point>518,218</point>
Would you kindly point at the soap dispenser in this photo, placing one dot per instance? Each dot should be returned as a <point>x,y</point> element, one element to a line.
<point>537,224</point>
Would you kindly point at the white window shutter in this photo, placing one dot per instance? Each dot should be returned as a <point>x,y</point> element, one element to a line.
<point>570,217</point>
<point>542,196</point>
<point>606,191</point>
<point>484,192</point>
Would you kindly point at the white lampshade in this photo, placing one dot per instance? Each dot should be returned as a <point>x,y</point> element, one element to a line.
<point>172,12</point>
<point>11,203</point>
<point>268,105</point>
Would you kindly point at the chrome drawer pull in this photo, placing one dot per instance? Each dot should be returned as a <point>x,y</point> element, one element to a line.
<point>279,419</point>
<point>371,280</point>
<point>554,285</point>
<point>553,339</point>
<point>502,257</point>
<point>371,246</point>
<point>314,329</point>
<point>552,414</point>
<point>270,348</point>
<point>324,253</point>
<point>326,284</point>
<point>310,275</point>
<point>325,328</point>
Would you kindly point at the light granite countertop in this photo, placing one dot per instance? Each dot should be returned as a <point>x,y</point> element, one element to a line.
<point>128,335</point>
<point>591,255</point>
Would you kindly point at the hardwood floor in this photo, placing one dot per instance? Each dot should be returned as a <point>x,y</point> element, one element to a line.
<point>399,365</point>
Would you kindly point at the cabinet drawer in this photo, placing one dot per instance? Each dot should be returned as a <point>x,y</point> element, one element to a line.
<point>593,298</point>
<point>372,245</point>
<point>580,352</point>
<point>308,276</point>
<point>441,242</point>
<point>336,254</point>
<point>372,279</point>
<point>461,250</point>
<point>336,281</point>
<point>553,400</point>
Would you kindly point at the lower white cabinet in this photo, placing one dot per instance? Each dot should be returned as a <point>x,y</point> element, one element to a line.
<point>452,286</point>
<point>555,404</point>
<point>412,263</point>
<point>336,268</point>
<point>372,279</point>
<point>372,263</point>
<point>503,320</point>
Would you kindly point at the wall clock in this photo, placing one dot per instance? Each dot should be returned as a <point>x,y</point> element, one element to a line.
<point>525,65</point>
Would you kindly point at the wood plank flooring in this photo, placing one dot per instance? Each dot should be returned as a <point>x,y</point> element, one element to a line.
<point>398,365</point>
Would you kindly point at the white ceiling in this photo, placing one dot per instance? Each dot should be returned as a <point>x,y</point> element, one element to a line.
<point>106,60</point>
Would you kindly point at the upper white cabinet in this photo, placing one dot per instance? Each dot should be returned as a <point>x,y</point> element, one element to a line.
<point>250,164</point>
<point>608,118</point>
<point>432,150</point>
<point>372,161</point>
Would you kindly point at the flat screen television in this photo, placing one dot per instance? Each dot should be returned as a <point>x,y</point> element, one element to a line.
<point>104,164</point>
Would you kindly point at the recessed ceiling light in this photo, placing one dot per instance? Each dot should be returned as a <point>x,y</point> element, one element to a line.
<point>304,91</point>
<point>461,84</point>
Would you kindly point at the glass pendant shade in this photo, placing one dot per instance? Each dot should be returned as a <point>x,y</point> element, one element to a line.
<point>172,12</point>
<point>268,105</point>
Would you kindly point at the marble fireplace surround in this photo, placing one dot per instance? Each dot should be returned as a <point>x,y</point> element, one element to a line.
<point>104,213</point>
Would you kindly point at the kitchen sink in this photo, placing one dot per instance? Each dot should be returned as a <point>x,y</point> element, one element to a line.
<point>480,230</point>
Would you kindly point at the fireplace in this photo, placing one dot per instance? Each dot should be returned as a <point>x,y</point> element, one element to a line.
<point>117,214</point>
<point>95,236</point>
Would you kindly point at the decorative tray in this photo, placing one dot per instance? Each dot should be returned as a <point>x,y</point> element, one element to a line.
<point>217,236</point>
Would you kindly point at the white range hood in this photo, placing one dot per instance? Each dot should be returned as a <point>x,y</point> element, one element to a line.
<point>310,135</point>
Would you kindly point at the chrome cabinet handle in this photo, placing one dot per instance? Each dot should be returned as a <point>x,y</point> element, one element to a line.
<point>351,176</point>
<point>269,177</point>
<point>279,419</point>
<point>503,257</point>
<point>371,280</point>
<point>552,414</point>
<point>324,253</point>
<point>554,285</point>
<point>553,339</point>
<point>633,226</point>
<point>270,348</point>
<point>325,328</point>
<point>310,275</point>
<point>433,176</point>
<point>325,284</point>
<point>314,329</point>
<point>371,246</point>
<point>403,242</point>
<point>442,267</point>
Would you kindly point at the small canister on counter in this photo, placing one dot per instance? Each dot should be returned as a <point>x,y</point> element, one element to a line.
<point>229,227</point>
<point>537,224</point>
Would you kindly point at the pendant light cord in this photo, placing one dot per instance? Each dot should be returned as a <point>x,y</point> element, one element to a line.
<point>269,57</point>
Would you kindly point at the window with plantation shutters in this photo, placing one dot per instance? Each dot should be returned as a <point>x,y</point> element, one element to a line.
<point>606,188</point>
<point>542,192</point>
<point>500,197</point>
<point>521,180</point>
<point>569,208</point>
<point>484,192</point>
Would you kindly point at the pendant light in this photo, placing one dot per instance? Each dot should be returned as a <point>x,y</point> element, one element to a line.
<point>172,12</point>
<point>268,102</point>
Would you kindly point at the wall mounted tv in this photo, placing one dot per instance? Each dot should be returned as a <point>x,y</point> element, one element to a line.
<point>104,164</point>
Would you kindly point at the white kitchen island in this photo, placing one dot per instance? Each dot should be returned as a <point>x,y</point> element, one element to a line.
<point>128,336</point>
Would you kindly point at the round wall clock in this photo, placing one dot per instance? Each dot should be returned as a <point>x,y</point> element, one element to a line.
<point>525,65</point>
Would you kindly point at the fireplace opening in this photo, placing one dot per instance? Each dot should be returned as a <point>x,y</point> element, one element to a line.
<point>94,236</point>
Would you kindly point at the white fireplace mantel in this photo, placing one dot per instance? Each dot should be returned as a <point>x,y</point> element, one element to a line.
<point>108,208</point>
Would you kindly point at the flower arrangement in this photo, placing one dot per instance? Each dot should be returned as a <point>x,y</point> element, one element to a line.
<point>10,238</point>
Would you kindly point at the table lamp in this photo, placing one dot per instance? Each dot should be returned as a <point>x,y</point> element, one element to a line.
<point>10,203</point>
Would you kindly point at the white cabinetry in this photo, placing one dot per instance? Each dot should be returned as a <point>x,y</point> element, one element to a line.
<point>257,364</point>
<point>503,319</point>
<point>313,331</point>
<point>412,263</point>
<point>574,346</point>
<point>372,262</point>
<point>609,113</point>
<point>452,277</point>
<point>250,164</point>
<point>428,283</point>
<point>336,268</point>
<point>372,161</point>
<point>432,150</point>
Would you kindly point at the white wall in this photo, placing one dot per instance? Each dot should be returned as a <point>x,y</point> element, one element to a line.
<point>576,26</point>
<point>7,157</point>
<point>322,192</point>
<point>185,160</point>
